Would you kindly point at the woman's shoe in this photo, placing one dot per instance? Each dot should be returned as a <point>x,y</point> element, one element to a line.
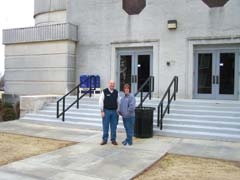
<point>124,143</point>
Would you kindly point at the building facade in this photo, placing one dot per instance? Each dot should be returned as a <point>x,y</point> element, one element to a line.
<point>196,40</point>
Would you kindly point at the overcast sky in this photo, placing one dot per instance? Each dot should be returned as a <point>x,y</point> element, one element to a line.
<point>14,14</point>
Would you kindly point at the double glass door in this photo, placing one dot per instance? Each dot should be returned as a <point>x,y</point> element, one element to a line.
<point>215,75</point>
<point>134,69</point>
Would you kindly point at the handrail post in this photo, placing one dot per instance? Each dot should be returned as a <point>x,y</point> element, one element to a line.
<point>63,115</point>
<point>168,100</point>
<point>90,86</point>
<point>141,97</point>
<point>176,83</point>
<point>77,98</point>
<point>158,116</point>
<point>57,108</point>
<point>150,89</point>
<point>174,93</point>
<point>161,116</point>
<point>152,78</point>
<point>175,87</point>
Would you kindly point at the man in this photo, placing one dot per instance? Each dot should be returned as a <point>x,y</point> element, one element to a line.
<point>108,103</point>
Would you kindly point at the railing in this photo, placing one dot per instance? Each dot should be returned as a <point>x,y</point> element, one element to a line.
<point>53,32</point>
<point>63,99</point>
<point>148,83</point>
<point>161,110</point>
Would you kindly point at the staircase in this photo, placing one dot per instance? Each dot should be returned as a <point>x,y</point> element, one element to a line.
<point>203,119</point>
<point>87,116</point>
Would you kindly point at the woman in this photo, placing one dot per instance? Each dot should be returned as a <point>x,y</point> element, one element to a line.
<point>127,111</point>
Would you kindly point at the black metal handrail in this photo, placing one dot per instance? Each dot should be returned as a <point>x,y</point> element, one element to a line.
<point>170,96</point>
<point>150,83</point>
<point>87,90</point>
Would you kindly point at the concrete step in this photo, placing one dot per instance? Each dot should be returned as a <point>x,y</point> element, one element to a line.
<point>198,135</point>
<point>201,128</point>
<point>206,107</point>
<point>208,123</point>
<point>205,112</point>
<point>202,117</point>
<point>204,102</point>
<point>206,119</point>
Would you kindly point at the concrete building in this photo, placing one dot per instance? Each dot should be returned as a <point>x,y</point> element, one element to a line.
<point>196,40</point>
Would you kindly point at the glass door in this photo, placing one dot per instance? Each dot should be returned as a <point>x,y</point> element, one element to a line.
<point>204,74</point>
<point>143,70</point>
<point>215,75</point>
<point>134,69</point>
<point>126,70</point>
<point>226,71</point>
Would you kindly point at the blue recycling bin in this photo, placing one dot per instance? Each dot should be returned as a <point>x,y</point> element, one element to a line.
<point>84,81</point>
<point>92,83</point>
<point>97,81</point>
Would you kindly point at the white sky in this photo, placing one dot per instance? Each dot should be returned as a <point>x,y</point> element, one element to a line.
<point>14,14</point>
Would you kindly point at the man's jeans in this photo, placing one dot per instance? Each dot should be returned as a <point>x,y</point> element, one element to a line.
<point>129,128</point>
<point>110,118</point>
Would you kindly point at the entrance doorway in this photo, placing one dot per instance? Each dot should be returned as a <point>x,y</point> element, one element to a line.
<point>215,74</point>
<point>134,67</point>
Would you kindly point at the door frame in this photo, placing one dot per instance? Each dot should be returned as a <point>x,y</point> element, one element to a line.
<point>215,61</point>
<point>134,52</point>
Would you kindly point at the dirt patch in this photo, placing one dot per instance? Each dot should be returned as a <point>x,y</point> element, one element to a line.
<point>176,167</point>
<point>16,147</point>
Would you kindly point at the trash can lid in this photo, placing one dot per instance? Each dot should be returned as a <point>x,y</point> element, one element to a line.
<point>145,108</point>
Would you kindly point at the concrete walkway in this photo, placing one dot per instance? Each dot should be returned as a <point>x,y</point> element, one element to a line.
<point>89,161</point>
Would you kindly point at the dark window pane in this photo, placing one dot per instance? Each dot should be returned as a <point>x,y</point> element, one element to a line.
<point>143,70</point>
<point>125,70</point>
<point>227,69</point>
<point>204,73</point>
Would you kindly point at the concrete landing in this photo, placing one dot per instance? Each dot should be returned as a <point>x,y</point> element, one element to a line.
<point>89,161</point>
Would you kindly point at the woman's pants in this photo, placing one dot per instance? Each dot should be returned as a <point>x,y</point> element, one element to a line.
<point>129,128</point>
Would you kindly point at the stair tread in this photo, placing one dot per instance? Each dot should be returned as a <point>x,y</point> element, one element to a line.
<point>202,121</point>
<point>66,121</point>
<point>203,116</point>
<point>203,127</point>
<point>201,133</point>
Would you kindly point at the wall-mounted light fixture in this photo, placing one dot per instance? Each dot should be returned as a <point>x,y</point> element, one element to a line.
<point>172,24</point>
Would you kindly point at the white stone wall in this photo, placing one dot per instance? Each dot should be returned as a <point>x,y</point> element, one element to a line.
<point>40,68</point>
<point>50,18</point>
<point>50,12</point>
<point>31,104</point>
<point>102,24</point>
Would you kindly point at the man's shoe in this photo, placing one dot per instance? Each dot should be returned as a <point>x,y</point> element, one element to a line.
<point>114,143</point>
<point>103,143</point>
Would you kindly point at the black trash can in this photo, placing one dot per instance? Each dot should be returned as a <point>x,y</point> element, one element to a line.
<point>143,122</point>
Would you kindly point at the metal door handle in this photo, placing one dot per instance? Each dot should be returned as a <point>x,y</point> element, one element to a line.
<point>217,79</point>
<point>133,78</point>
<point>213,79</point>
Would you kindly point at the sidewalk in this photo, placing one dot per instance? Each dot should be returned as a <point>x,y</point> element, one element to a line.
<point>89,161</point>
